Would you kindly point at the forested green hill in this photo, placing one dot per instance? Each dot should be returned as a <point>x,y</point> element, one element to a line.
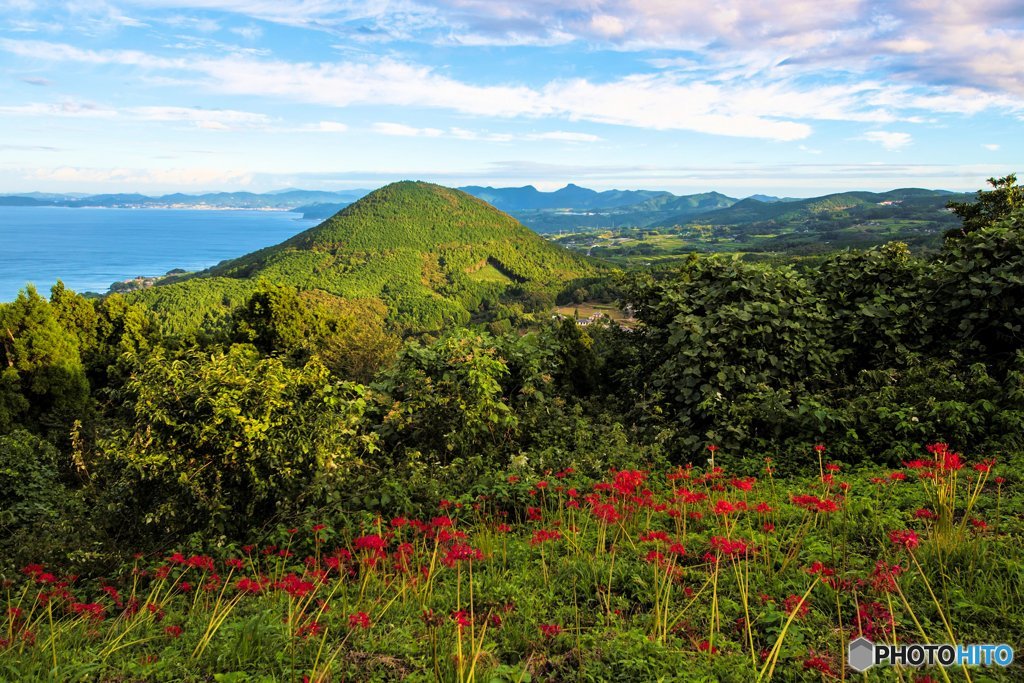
<point>433,255</point>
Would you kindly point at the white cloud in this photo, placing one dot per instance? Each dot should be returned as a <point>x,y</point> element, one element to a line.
<point>889,140</point>
<point>991,147</point>
<point>564,136</point>
<point>178,177</point>
<point>250,33</point>
<point>331,127</point>
<point>654,101</point>
<point>401,130</point>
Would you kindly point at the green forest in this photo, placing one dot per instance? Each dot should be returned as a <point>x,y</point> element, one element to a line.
<point>372,453</point>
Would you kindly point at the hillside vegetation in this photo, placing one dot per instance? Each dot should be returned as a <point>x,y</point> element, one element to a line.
<point>421,249</point>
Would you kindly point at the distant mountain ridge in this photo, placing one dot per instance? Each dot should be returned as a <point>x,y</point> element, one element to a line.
<point>569,208</point>
<point>752,210</point>
<point>281,200</point>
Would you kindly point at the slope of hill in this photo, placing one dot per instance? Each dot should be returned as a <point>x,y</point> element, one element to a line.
<point>434,255</point>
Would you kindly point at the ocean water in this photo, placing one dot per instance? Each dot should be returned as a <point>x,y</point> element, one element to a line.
<point>91,248</point>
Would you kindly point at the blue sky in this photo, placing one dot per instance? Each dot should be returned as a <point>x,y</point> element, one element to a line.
<point>786,97</point>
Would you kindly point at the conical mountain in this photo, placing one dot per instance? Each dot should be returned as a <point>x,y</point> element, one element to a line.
<point>432,254</point>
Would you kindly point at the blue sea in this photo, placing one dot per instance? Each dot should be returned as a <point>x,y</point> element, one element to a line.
<point>91,248</point>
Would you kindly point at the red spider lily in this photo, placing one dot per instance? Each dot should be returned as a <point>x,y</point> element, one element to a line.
<point>295,586</point>
<point>819,448</point>
<point>979,524</point>
<point>875,621</point>
<point>460,552</point>
<point>534,514</point>
<point>951,462</point>
<point>234,563</point>
<point>549,630</point>
<point>654,556</point>
<point>677,549</point>
<point>185,587</point>
<point>984,466</point>
<point>814,504</point>
<point>444,522</point>
<point>884,576</point>
<point>461,618</point>
<point>606,513</point>
<point>655,537</point>
<point>768,527</point>
<point>371,542</point>
<point>542,484</point>
<point>793,604</point>
<point>712,447</point>
<point>92,610</point>
<point>691,497</point>
<point>919,464</point>
<point>1000,480</point>
<point>174,631</point>
<point>724,507</point>
<point>744,484</point>
<point>543,535</point>
<point>114,595</point>
<point>820,664</point>
<point>763,508</point>
<point>313,628</point>
<point>833,467</point>
<point>247,585</point>
<point>819,568</point>
<point>203,562</point>
<point>730,546</point>
<point>898,476</point>
<point>924,513</point>
<point>512,479</point>
<point>705,646</point>
<point>628,481</point>
<point>359,620</point>
<point>905,538</point>
<point>317,528</point>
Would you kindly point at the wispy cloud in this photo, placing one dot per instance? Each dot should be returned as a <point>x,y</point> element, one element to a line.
<point>889,140</point>
<point>402,130</point>
<point>134,177</point>
<point>653,101</point>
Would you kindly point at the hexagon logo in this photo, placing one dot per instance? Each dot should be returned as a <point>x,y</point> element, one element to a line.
<point>860,654</point>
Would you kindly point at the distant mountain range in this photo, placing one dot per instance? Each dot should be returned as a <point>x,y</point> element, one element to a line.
<point>279,200</point>
<point>567,209</point>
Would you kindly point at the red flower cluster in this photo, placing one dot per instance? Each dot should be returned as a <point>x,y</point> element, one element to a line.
<point>904,538</point>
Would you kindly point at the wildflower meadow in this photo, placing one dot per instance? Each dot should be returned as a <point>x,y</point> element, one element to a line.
<point>726,572</point>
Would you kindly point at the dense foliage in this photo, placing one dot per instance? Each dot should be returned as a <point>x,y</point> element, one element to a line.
<point>305,382</point>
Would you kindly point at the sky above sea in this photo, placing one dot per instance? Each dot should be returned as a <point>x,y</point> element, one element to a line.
<point>784,97</point>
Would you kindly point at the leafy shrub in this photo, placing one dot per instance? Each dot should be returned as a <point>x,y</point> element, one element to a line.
<point>221,438</point>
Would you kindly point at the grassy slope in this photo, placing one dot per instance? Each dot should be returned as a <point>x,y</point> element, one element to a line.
<point>420,247</point>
